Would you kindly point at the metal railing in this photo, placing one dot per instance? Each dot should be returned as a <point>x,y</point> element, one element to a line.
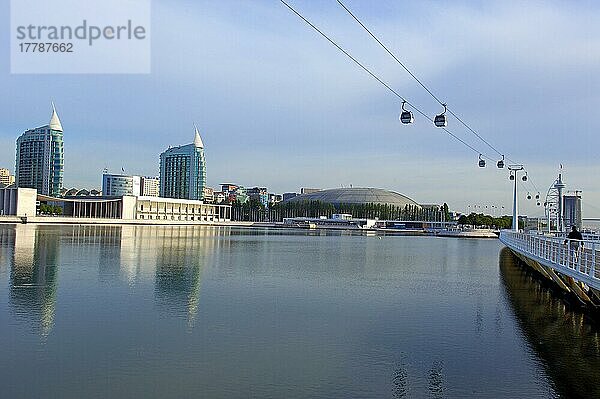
<point>577,259</point>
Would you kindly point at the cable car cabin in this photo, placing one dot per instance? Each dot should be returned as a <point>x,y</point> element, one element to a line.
<point>407,117</point>
<point>482,163</point>
<point>500,164</point>
<point>441,120</point>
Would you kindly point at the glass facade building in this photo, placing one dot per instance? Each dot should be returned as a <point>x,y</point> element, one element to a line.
<point>183,171</point>
<point>572,211</point>
<point>40,158</point>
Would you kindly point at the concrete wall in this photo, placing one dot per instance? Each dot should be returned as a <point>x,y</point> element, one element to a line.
<point>26,203</point>
<point>18,201</point>
<point>129,208</point>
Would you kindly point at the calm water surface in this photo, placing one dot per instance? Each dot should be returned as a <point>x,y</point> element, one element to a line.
<point>174,312</point>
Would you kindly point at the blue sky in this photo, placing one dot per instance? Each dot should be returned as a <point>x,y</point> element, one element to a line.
<point>278,106</point>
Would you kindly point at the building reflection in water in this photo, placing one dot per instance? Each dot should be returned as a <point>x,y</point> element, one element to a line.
<point>95,246</point>
<point>182,254</point>
<point>174,257</point>
<point>563,339</point>
<point>33,277</point>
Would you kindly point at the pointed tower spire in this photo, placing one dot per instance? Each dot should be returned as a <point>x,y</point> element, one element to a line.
<point>54,121</point>
<point>197,139</point>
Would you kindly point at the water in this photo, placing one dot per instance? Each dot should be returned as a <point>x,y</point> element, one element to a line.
<point>172,312</point>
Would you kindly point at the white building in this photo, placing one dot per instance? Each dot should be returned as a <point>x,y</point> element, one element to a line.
<point>18,201</point>
<point>121,185</point>
<point>150,186</point>
<point>137,209</point>
<point>6,179</point>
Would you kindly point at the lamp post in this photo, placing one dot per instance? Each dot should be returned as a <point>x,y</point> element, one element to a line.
<point>514,169</point>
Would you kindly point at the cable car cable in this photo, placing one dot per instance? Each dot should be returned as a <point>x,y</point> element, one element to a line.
<point>379,79</point>
<point>426,88</point>
<point>417,79</point>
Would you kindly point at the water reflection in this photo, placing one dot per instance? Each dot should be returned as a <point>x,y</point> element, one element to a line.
<point>564,339</point>
<point>33,277</point>
<point>400,382</point>
<point>153,311</point>
<point>179,268</point>
<point>436,380</point>
<point>174,257</point>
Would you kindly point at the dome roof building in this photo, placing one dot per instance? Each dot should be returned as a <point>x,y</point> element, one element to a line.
<point>358,195</point>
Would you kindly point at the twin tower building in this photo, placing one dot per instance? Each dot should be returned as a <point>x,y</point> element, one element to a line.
<point>40,163</point>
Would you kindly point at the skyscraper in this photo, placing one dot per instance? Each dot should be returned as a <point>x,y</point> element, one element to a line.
<point>40,158</point>
<point>183,170</point>
<point>572,211</point>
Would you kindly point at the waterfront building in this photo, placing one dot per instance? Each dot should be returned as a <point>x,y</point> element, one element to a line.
<point>6,179</point>
<point>40,158</point>
<point>259,194</point>
<point>18,201</point>
<point>233,193</point>
<point>572,211</point>
<point>149,186</point>
<point>183,170</point>
<point>150,210</point>
<point>358,196</point>
<point>119,185</point>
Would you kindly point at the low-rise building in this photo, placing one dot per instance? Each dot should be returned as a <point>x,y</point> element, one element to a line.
<point>155,210</point>
<point>275,198</point>
<point>179,210</point>
<point>18,201</point>
<point>119,185</point>
<point>227,188</point>
<point>209,194</point>
<point>259,194</point>
<point>6,179</point>
<point>240,195</point>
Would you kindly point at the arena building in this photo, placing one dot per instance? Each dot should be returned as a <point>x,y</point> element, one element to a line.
<point>358,195</point>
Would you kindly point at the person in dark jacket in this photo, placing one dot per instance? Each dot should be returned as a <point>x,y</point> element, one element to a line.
<point>574,239</point>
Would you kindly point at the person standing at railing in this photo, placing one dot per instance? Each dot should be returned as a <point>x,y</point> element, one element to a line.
<point>574,239</point>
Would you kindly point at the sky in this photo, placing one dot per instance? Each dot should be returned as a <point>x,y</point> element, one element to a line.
<point>279,106</point>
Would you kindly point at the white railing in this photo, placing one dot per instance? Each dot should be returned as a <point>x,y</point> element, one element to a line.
<point>578,261</point>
